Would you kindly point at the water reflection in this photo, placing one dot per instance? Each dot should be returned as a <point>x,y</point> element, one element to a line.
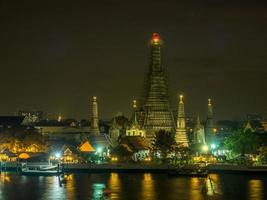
<point>4,177</point>
<point>69,184</point>
<point>131,186</point>
<point>255,190</point>
<point>98,191</point>
<point>114,185</point>
<point>196,188</point>
<point>209,187</point>
<point>51,188</point>
<point>213,185</point>
<point>148,187</point>
<point>204,187</point>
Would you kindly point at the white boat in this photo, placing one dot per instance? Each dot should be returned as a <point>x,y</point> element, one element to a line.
<point>40,170</point>
<point>48,167</point>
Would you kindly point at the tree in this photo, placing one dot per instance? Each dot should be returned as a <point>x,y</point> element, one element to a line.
<point>164,143</point>
<point>123,152</point>
<point>263,154</point>
<point>182,153</point>
<point>19,139</point>
<point>242,142</point>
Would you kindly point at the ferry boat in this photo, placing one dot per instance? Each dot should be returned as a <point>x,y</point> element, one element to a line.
<point>40,169</point>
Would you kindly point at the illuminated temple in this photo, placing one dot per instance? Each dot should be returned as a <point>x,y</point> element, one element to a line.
<point>209,129</point>
<point>180,136</point>
<point>94,117</point>
<point>155,111</point>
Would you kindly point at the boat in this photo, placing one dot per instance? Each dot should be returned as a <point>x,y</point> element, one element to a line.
<point>41,169</point>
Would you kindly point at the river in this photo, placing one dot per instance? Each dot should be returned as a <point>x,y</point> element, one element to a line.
<point>134,186</point>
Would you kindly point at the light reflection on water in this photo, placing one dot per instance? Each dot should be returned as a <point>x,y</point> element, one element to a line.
<point>255,189</point>
<point>131,186</point>
<point>52,188</point>
<point>213,184</point>
<point>4,177</point>
<point>148,187</point>
<point>195,191</point>
<point>70,187</point>
<point>114,185</point>
<point>98,191</point>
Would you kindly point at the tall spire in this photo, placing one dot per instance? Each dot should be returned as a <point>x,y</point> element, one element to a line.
<point>94,117</point>
<point>181,113</point>
<point>134,105</point>
<point>210,112</point>
<point>199,133</point>
<point>135,129</point>
<point>209,122</point>
<point>156,53</point>
<point>181,136</point>
<point>59,117</point>
<point>198,124</point>
<point>155,111</point>
<point>134,120</point>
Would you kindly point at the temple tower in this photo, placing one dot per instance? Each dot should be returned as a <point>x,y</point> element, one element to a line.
<point>209,123</point>
<point>180,136</point>
<point>210,110</point>
<point>135,129</point>
<point>59,118</point>
<point>155,110</point>
<point>94,117</point>
<point>199,133</point>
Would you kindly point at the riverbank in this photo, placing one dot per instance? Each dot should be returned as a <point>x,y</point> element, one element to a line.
<point>117,168</point>
<point>92,168</point>
<point>237,169</point>
<point>143,168</point>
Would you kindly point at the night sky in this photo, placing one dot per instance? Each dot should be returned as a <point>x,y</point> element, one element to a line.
<point>54,55</point>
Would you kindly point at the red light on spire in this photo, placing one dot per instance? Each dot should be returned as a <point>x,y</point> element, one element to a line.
<point>155,38</point>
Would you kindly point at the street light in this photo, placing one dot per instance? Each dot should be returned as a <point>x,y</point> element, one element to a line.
<point>99,150</point>
<point>57,155</point>
<point>213,146</point>
<point>205,148</point>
